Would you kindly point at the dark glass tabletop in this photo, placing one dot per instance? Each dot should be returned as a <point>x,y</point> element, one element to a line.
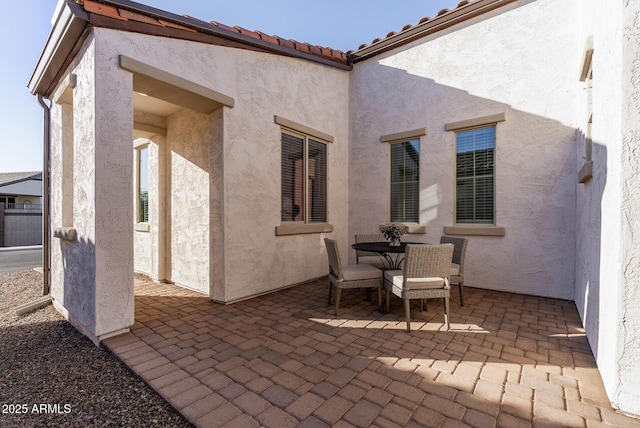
<point>382,247</point>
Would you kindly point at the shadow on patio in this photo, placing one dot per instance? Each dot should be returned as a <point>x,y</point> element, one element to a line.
<point>285,360</point>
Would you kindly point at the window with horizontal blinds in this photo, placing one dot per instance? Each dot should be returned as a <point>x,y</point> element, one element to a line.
<point>405,180</point>
<point>475,193</point>
<point>304,179</point>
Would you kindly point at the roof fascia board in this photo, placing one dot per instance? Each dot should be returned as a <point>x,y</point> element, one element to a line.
<point>431,26</point>
<point>208,28</point>
<point>67,29</point>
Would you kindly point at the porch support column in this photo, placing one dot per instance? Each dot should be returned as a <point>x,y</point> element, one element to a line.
<point>113,195</point>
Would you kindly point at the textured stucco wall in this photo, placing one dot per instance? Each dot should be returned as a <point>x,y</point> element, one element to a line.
<point>628,391</point>
<point>73,264</point>
<point>607,266</point>
<point>512,61</point>
<point>189,141</point>
<point>598,278</point>
<point>309,94</point>
<point>114,192</point>
<point>93,276</point>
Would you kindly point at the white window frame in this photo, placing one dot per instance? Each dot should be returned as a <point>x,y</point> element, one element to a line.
<point>141,225</point>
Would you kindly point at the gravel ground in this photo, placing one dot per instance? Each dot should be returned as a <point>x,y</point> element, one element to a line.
<point>51,375</point>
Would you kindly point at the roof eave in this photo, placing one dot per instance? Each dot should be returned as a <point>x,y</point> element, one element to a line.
<point>69,26</point>
<point>436,24</point>
<point>208,28</point>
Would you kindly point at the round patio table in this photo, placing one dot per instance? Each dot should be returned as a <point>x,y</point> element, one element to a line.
<point>384,251</point>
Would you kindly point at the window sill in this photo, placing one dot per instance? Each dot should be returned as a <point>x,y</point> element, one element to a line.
<point>586,172</point>
<point>414,228</point>
<point>475,230</point>
<point>300,229</point>
<point>66,233</point>
<point>141,227</point>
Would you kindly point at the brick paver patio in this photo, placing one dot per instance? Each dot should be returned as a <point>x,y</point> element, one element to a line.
<point>284,360</point>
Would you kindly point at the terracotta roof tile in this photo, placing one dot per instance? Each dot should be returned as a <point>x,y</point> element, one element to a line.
<point>286,43</point>
<point>174,25</point>
<point>302,47</point>
<point>249,33</point>
<point>268,38</point>
<point>315,50</point>
<point>409,26</point>
<point>126,12</point>
<point>102,9</point>
<point>133,16</point>
<point>225,27</point>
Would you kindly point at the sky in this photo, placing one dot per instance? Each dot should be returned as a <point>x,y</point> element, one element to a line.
<point>339,24</point>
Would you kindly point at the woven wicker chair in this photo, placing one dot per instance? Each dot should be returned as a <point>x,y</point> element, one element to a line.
<point>367,257</point>
<point>351,276</point>
<point>457,264</point>
<point>425,276</point>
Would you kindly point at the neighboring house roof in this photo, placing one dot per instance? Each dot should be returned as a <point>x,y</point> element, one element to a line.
<point>80,15</point>
<point>7,178</point>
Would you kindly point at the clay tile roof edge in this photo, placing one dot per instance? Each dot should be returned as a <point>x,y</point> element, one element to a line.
<point>304,50</point>
<point>445,18</point>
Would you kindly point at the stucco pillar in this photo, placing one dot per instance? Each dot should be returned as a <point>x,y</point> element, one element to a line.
<point>113,195</point>
<point>92,270</point>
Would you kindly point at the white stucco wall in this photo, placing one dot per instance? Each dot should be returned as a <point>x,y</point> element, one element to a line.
<point>607,267</point>
<point>249,181</point>
<point>96,270</point>
<point>511,60</point>
<point>189,142</point>
<point>309,94</point>
<point>627,395</point>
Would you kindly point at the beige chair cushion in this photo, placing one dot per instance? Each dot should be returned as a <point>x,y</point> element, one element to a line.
<point>455,269</point>
<point>425,283</point>
<point>395,277</point>
<point>373,261</point>
<point>358,272</point>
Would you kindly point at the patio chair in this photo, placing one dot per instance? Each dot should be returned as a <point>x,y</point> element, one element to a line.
<point>367,257</point>
<point>457,264</point>
<point>425,276</point>
<point>350,276</point>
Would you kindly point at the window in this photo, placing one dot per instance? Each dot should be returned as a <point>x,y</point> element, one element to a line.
<point>475,193</point>
<point>405,178</point>
<point>143,184</point>
<point>586,76</point>
<point>304,179</point>
<point>589,141</point>
<point>8,201</point>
